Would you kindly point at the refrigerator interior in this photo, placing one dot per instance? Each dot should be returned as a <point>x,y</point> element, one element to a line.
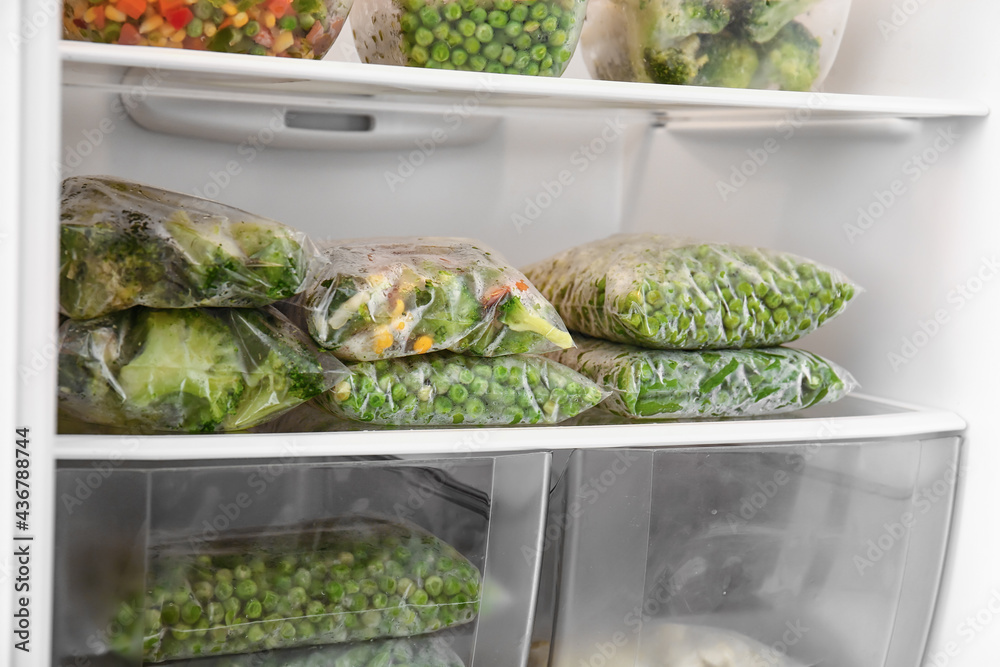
<point>903,206</point>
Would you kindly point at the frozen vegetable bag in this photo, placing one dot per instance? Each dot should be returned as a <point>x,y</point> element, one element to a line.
<point>658,292</point>
<point>343,580</point>
<point>125,244</point>
<point>382,298</point>
<point>709,383</point>
<point>446,388</point>
<point>198,370</point>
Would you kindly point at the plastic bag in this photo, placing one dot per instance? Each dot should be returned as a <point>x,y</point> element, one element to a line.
<point>446,388</point>
<point>344,580</point>
<point>411,652</point>
<point>198,370</point>
<point>378,299</point>
<point>124,244</point>
<point>663,293</point>
<point>720,383</point>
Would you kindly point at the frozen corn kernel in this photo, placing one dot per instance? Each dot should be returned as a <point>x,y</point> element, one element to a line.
<point>178,36</point>
<point>229,9</point>
<point>267,18</point>
<point>90,15</point>
<point>209,29</point>
<point>112,13</point>
<point>150,24</point>
<point>240,19</point>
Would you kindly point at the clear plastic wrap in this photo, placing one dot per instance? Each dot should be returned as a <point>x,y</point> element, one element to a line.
<point>287,28</point>
<point>197,370</point>
<point>411,652</point>
<point>329,582</point>
<point>777,44</point>
<point>659,292</point>
<point>383,298</point>
<point>661,384</point>
<point>533,37</point>
<point>446,388</point>
<point>125,244</point>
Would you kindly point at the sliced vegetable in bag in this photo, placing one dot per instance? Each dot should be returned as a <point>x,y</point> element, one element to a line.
<point>659,292</point>
<point>343,580</point>
<point>125,244</point>
<point>378,299</point>
<point>411,652</point>
<point>198,370</point>
<point>719,383</point>
<point>447,388</point>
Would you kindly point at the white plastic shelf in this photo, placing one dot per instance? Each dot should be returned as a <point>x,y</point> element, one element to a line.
<point>207,75</point>
<point>854,419</point>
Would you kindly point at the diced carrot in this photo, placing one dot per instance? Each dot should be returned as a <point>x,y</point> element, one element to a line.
<point>169,5</point>
<point>179,17</point>
<point>226,22</point>
<point>521,285</point>
<point>134,8</point>
<point>129,35</point>
<point>422,344</point>
<point>278,7</point>
<point>99,17</point>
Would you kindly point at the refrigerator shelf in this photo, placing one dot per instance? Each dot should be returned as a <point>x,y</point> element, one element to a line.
<point>205,75</point>
<point>856,418</point>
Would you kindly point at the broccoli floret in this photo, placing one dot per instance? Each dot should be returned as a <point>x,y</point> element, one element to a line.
<point>518,317</point>
<point>274,255</point>
<point>731,61</point>
<point>677,64</point>
<point>763,19</point>
<point>670,20</point>
<point>790,61</point>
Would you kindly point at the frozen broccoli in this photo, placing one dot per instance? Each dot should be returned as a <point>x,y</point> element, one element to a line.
<point>670,20</point>
<point>731,61</point>
<point>790,61</point>
<point>513,313</point>
<point>763,19</point>
<point>677,64</point>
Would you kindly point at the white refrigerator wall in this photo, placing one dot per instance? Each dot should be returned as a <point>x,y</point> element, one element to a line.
<point>925,248</point>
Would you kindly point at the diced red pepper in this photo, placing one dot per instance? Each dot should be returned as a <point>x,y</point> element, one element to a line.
<point>169,5</point>
<point>129,34</point>
<point>132,8</point>
<point>279,7</point>
<point>179,17</point>
<point>99,17</point>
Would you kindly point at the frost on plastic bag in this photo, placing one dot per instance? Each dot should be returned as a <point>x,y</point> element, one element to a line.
<point>124,244</point>
<point>446,388</point>
<point>722,383</point>
<point>658,292</point>
<point>410,652</point>
<point>329,582</point>
<point>530,37</point>
<point>198,370</point>
<point>682,645</point>
<point>377,299</point>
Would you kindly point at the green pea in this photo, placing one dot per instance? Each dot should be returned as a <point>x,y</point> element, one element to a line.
<point>452,11</point>
<point>419,55</point>
<point>531,69</point>
<point>504,5</point>
<point>484,33</point>
<point>418,597</point>
<point>409,22</point>
<point>440,52</point>
<point>441,31</point>
<point>288,23</point>
<point>507,56</point>
<point>196,25</point>
<point>519,12</point>
<point>472,46</point>
<point>434,586</point>
<point>170,614</point>
<point>497,19</point>
<point>522,42</point>
<point>513,29</point>
<point>478,15</point>
<point>429,16</point>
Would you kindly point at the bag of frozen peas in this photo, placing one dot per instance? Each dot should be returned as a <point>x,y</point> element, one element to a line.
<point>384,298</point>
<point>125,244</point>
<point>345,580</point>
<point>446,388</point>
<point>196,370</point>
<point>659,384</point>
<point>659,292</point>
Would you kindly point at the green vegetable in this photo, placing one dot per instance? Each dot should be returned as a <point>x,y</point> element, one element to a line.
<point>725,383</point>
<point>671,20</point>
<point>390,298</point>
<point>196,370</point>
<point>763,19</point>
<point>678,64</point>
<point>730,61</point>
<point>657,292</point>
<point>790,61</point>
<point>125,244</point>
<point>334,556</point>
<point>411,652</point>
<point>446,388</point>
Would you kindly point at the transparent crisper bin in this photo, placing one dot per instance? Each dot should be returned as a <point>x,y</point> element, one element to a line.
<point>534,37</point>
<point>284,28</point>
<point>770,44</point>
<point>375,562</point>
<point>781,555</point>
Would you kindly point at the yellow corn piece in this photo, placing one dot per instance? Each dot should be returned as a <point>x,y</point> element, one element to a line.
<point>422,344</point>
<point>382,342</point>
<point>284,40</point>
<point>158,41</point>
<point>114,14</point>
<point>167,30</point>
<point>209,29</point>
<point>150,24</point>
<point>267,18</point>
<point>178,36</point>
<point>342,391</point>
<point>229,9</point>
<point>90,15</point>
<point>397,309</point>
<point>401,326</point>
<point>240,19</point>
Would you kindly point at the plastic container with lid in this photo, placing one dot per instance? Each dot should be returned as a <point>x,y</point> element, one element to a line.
<point>768,44</point>
<point>534,37</point>
<point>289,28</point>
